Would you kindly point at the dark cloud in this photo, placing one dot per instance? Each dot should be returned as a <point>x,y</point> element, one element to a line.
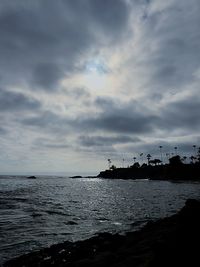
<point>181,115</point>
<point>45,120</point>
<point>167,53</point>
<point>114,116</point>
<point>15,101</point>
<point>42,41</point>
<point>111,16</point>
<point>46,75</point>
<point>121,123</point>
<point>118,117</point>
<point>123,119</point>
<point>93,141</point>
<point>135,118</point>
<point>43,143</point>
<point>2,131</point>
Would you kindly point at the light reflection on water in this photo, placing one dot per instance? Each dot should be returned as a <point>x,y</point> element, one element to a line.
<point>38,213</point>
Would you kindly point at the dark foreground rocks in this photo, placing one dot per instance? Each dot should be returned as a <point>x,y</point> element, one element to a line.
<point>173,241</point>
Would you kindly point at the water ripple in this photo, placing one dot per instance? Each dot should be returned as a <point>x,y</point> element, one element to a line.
<point>41,212</point>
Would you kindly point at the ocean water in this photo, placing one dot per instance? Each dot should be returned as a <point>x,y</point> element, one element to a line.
<point>38,213</point>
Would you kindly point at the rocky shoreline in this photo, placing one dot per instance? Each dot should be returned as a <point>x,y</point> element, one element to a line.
<point>171,241</point>
<point>185,172</point>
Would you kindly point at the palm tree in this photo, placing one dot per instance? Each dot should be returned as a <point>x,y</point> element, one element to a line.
<point>109,163</point>
<point>175,149</point>
<point>134,158</point>
<point>198,155</point>
<point>148,158</point>
<point>167,155</point>
<point>184,158</point>
<point>161,152</point>
<point>155,161</point>
<point>192,159</point>
<point>123,162</point>
<point>194,146</point>
<point>141,156</point>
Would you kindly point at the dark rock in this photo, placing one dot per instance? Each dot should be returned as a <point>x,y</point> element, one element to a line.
<point>31,177</point>
<point>90,176</point>
<point>71,223</point>
<point>77,176</point>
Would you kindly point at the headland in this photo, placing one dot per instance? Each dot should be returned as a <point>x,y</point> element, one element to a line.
<point>174,170</point>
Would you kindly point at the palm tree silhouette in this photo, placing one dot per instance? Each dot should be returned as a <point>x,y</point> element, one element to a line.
<point>184,158</point>
<point>148,158</point>
<point>141,156</point>
<point>198,155</point>
<point>194,146</point>
<point>161,153</point>
<point>192,159</point>
<point>109,163</point>
<point>123,162</point>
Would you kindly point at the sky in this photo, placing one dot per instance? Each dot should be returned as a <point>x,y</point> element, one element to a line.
<point>82,81</point>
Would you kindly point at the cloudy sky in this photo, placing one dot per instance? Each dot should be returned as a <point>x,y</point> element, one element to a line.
<point>82,81</point>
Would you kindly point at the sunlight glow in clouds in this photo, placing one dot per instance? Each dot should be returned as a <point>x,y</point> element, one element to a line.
<point>83,81</point>
<point>96,75</point>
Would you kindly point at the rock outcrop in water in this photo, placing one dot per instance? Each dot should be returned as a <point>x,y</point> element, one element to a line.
<point>31,177</point>
<point>172,241</point>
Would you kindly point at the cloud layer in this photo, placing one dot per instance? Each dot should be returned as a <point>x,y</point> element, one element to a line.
<point>105,78</point>
<point>42,41</point>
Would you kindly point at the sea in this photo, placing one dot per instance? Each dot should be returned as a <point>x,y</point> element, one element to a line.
<point>36,213</point>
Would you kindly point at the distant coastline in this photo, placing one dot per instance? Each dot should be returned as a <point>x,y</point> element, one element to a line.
<point>155,170</point>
